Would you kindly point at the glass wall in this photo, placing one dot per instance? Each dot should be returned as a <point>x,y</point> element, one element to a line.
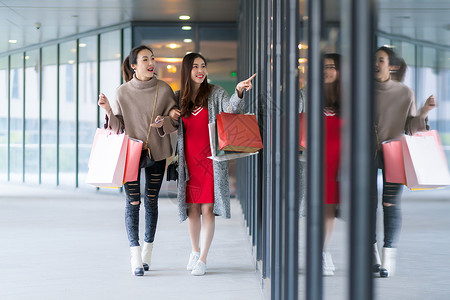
<point>32,111</point>
<point>49,124</point>
<point>4,118</point>
<point>444,100</point>
<point>16,117</point>
<point>67,112</point>
<point>428,81</point>
<point>169,44</point>
<point>87,102</point>
<point>219,47</point>
<point>110,67</point>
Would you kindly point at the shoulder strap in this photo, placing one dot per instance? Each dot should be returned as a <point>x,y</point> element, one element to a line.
<point>151,120</point>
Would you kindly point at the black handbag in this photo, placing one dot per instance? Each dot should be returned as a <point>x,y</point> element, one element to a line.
<point>145,161</point>
<point>146,157</point>
<point>172,170</point>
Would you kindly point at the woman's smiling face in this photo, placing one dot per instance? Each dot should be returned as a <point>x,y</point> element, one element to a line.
<point>198,72</point>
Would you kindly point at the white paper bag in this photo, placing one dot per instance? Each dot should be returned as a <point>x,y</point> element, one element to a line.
<point>107,161</point>
<point>425,162</point>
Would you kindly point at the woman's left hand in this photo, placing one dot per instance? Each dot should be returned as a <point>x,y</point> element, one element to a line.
<point>246,84</point>
<point>159,121</point>
<point>174,113</point>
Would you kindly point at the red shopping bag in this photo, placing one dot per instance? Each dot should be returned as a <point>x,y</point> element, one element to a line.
<point>134,150</point>
<point>238,132</point>
<point>107,160</point>
<point>302,131</point>
<point>394,168</point>
<point>424,160</point>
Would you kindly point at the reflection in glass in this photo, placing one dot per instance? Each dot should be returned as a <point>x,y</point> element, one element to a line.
<point>49,115</point>
<point>67,113</point>
<point>16,121</point>
<point>4,118</point>
<point>32,67</point>
<point>87,91</point>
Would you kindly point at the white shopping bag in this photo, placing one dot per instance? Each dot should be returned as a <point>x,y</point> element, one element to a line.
<point>220,155</point>
<point>425,163</point>
<point>107,161</point>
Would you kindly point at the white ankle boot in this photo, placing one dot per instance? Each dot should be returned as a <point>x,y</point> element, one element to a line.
<point>327,269</point>
<point>376,259</point>
<point>388,262</point>
<point>136,261</point>
<point>329,261</point>
<point>147,255</point>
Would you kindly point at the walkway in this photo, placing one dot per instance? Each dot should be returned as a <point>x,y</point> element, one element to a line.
<point>57,244</point>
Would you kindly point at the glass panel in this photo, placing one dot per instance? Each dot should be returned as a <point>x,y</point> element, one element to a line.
<point>127,41</point>
<point>87,108</point>
<point>67,113</point>
<point>303,78</point>
<point>408,52</point>
<point>381,41</point>
<point>110,64</point>
<point>444,101</point>
<point>16,92</point>
<point>219,47</point>
<point>429,82</point>
<point>169,44</point>
<point>49,115</point>
<point>4,118</point>
<point>32,67</point>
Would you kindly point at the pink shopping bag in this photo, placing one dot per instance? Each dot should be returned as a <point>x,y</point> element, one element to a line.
<point>134,150</point>
<point>107,160</point>
<point>424,160</point>
<point>394,168</point>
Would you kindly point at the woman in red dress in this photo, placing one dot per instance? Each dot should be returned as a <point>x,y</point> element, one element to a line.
<point>203,190</point>
<point>332,151</point>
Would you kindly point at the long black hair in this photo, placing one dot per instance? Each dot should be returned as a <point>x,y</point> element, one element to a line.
<point>333,90</point>
<point>186,92</point>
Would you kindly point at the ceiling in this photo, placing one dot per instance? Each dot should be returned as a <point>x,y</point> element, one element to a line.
<point>61,18</point>
<point>427,20</point>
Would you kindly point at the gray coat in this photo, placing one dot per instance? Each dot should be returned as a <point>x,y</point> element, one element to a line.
<point>218,101</point>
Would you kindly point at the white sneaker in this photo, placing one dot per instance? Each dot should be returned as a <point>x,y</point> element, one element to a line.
<point>326,268</point>
<point>199,269</point>
<point>193,258</point>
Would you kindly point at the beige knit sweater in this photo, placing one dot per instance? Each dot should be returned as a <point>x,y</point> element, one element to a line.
<point>396,111</point>
<point>133,112</point>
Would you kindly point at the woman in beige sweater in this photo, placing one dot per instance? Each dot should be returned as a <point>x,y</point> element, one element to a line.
<point>143,106</point>
<point>396,115</point>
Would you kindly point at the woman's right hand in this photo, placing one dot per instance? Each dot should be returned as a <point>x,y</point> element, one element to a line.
<point>104,103</point>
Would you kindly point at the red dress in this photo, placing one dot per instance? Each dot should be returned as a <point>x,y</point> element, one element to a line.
<point>332,157</point>
<point>200,186</point>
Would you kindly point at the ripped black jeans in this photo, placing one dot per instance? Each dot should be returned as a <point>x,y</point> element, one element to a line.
<point>153,179</point>
<point>392,215</point>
